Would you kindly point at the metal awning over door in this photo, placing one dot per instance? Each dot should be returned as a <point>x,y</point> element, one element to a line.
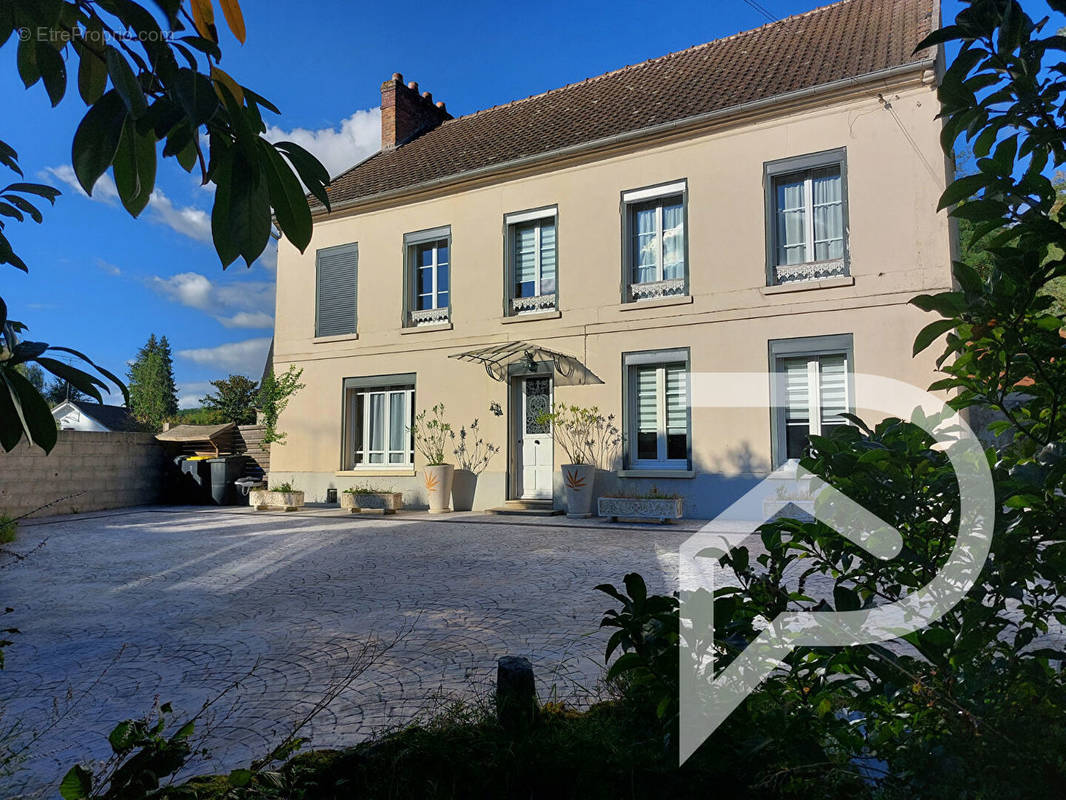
<point>514,358</point>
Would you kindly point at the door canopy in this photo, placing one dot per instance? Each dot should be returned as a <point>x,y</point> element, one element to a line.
<point>517,358</point>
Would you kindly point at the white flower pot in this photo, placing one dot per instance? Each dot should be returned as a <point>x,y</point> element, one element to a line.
<point>262,500</point>
<point>464,485</point>
<point>372,502</point>
<point>660,509</point>
<point>438,482</point>
<point>579,481</point>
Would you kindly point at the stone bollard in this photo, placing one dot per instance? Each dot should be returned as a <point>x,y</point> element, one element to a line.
<point>516,694</point>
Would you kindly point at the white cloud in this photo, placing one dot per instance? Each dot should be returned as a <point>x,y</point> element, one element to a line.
<point>187,220</point>
<point>246,304</point>
<point>108,267</point>
<point>188,288</point>
<point>239,358</point>
<point>104,189</point>
<point>337,148</point>
<point>269,259</point>
<point>248,319</point>
<point>191,395</point>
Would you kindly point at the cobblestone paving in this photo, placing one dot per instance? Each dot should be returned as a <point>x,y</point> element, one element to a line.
<point>123,609</point>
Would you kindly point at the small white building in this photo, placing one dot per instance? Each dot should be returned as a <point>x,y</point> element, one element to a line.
<point>78,415</point>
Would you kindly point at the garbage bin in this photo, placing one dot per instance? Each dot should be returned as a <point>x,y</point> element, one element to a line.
<point>172,481</point>
<point>224,471</point>
<point>195,482</point>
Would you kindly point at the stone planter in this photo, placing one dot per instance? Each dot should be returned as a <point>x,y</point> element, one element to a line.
<point>262,500</point>
<point>372,502</point>
<point>464,484</point>
<point>640,508</point>
<point>438,482</point>
<point>579,481</point>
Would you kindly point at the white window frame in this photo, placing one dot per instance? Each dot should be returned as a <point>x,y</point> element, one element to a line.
<point>540,301</point>
<point>660,359</point>
<point>437,314</point>
<point>812,348</point>
<point>388,386</point>
<point>434,267</point>
<point>632,290</point>
<point>809,269</point>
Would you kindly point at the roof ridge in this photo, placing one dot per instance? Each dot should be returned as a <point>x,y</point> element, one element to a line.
<point>664,57</point>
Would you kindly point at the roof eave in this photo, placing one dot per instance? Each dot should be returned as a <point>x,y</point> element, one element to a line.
<point>919,65</point>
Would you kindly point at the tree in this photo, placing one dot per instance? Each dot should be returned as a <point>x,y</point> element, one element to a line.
<point>197,416</point>
<point>34,374</point>
<point>274,396</point>
<point>59,391</point>
<point>148,81</point>
<point>152,393</point>
<point>234,399</point>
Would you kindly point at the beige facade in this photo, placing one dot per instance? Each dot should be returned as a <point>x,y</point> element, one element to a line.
<point>727,319</point>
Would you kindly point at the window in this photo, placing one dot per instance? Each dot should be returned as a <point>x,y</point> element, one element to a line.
<point>336,285</point>
<point>812,390</point>
<point>807,217</point>
<point>379,413</point>
<point>428,256</point>
<point>655,242</point>
<point>531,261</point>
<point>657,410</point>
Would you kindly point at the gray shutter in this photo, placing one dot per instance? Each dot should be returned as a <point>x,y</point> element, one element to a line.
<point>337,290</point>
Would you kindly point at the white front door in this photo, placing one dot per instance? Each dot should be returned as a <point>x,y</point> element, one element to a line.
<point>534,451</point>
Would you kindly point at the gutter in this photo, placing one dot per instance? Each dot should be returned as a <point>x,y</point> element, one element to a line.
<point>621,138</point>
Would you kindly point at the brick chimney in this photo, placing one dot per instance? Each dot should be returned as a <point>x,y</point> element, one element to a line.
<point>405,113</point>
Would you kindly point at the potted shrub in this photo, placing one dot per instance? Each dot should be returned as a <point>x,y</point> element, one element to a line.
<point>589,440</point>
<point>280,496</point>
<point>472,456</point>
<point>371,500</point>
<point>653,505</point>
<point>431,433</point>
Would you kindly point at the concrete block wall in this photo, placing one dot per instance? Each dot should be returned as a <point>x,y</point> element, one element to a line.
<point>100,470</point>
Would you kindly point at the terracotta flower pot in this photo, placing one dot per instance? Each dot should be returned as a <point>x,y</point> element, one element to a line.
<point>438,481</point>
<point>579,481</point>
<point>464,484</point>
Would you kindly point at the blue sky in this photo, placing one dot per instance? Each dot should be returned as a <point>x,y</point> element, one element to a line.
<point>102,282</point>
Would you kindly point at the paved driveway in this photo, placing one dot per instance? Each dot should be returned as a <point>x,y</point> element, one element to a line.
<point>123,608</point>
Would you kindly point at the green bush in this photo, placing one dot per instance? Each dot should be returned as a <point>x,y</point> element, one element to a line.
<point>8,528</point>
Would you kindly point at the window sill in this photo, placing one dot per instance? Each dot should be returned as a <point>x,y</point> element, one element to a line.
<point>384,472</point>
<point>806,286</point>
<point>344,337</point>
<point>657,473</point>
<point>637,305</point>
<point>531,317</point>
<point>444,326</point>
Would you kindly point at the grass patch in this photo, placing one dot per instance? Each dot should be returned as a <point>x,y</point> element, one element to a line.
<point>8,528</point>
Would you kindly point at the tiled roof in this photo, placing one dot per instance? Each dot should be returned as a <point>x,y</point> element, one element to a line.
<point>114,418</point>
<point>833,43</point>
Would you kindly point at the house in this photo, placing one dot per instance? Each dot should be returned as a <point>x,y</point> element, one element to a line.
<point>79,415</point>
<point>761,202</point>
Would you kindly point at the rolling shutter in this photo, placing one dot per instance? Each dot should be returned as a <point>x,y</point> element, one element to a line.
<point>336,290</point>
<point>833,386</point>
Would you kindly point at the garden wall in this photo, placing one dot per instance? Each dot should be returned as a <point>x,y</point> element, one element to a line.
<point>102,470</point>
